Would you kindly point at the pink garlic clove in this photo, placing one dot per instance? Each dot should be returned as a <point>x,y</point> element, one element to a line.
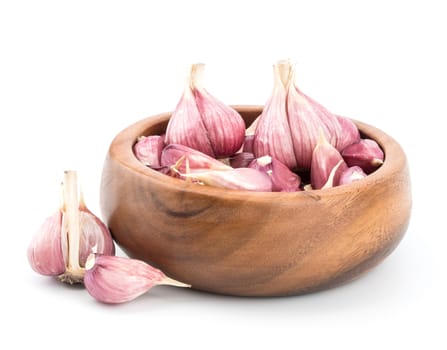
<point>186,126</point>
<point>95,236</point>
<point>349,133</point>
<point>273,135</point>
<point>235,179</point>
<point>225,126</point>
<point>366,154</point>
<point>179,156</point>
<point>283,180</point>
<point>351,174</point>
<point>45,253</point>
<point>327,165</point>
<point>241,160</point>
<point>148,150</point>
<point>248,144</point>
<point>113,279</point>
<point>204,123</point>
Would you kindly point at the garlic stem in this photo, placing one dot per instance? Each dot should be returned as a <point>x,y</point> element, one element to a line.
<point>71,228</point>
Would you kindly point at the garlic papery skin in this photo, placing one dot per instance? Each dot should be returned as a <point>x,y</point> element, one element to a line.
<point>327,165</point>
<point>272,134</point>
<point>351,174</point>
<point>113,279</point>
<point>225,126</point>
<point>179,156</point>
<point>283,179</point>
<point>235,179</point>
<point>148,149</point>
<point>45,253</point>
<point>366,154</point>
<point>204,123</point>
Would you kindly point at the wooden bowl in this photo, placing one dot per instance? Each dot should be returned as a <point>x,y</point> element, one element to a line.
<point>252,243</point>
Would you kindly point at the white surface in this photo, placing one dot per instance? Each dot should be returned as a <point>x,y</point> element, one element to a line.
<point>73,74</point>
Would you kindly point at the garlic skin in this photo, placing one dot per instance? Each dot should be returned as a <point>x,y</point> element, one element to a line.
<point>180,156</point>
<point>351,174</point>
<point>202,122</point>
<point>273,134</point>
<point>45,251</point>
<point>241,160</point>
<point>366,154</point>
<point>327,165</point>
<point>283,180</point>
<point>148,149</point>
<point>113,279</point>
<point>235,179</point>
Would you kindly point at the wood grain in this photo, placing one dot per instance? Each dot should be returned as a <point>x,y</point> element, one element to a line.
<point>254,244</point>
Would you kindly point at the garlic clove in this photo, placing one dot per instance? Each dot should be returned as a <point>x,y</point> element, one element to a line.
<point>248,144</point>
<point>236,179</point>
<point>45,253</point>
<point>366,154</point>
<point>113,279</point>
<point>148,149</point>
<point>273,135</point>
<point>283,179</point>
<point>178,156</point>
<point>351,174</point>
<point>241,160</point>
<point>224,125</point>
<point>349,133</point>
<point>327,164</point>
<point>186,127</point>
<point>95,236</point>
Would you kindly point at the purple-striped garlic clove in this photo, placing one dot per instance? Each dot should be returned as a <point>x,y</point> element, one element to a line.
<point>327,165</point>
<point>45,253</point>
<point>179,157</point>
<point>235,179</point>
<point>113,279</point>
<point>283,179</point>
<point>202,122</point>
<point>241,160</point>
<point>351,174</point>
<point>272,134</point>
<point>366,154</point>
<point>148,149</point>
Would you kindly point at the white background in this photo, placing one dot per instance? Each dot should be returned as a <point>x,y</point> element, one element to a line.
<point>75,73</point>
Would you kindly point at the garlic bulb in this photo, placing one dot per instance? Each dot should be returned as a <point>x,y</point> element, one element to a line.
<point>202,122</point>
<point>61,246</point>
<point>113,279</point>
<point>289,126</point>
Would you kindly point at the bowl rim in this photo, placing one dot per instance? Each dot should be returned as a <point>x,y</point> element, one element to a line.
<point>121,150</point>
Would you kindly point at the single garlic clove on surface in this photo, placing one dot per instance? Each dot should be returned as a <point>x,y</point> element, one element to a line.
<point>366,154</point>
<point>272,134</point>
<point>235,179</point>
<point>327,165</point>
<point>241,160</point>
<point>148,149</point>
<point>113,279</point>
<point>283,179</point>
<point>225,126</point>
<point>351,174</point>
<point>45,253</point>
<point>179,156</point>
